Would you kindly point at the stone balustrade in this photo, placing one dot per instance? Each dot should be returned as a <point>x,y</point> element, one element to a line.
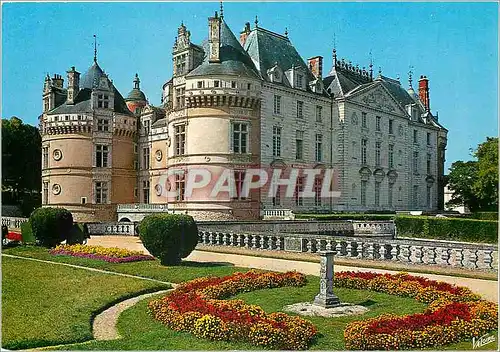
<point>13,222</point>
<point>111,228</point>
<point>142,207</point>
<point>423,252</point>
<point>277,214</point>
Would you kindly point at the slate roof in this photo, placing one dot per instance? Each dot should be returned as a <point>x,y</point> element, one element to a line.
<point>234,59</point>
<point>82,101</point>
<point>267,48</point>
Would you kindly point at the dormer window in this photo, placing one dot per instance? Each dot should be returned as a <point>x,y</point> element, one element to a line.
<point>200,84</point>
<point>299,83</point>
<point>233,84</point>
<point>249,86</point>
<point>102,101</point>
<point>216,84</point>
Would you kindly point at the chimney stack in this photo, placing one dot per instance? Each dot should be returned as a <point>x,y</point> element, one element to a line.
<point>244,34</point>
<point>423,92</point>
<point>57,81</point>
<point>73,85</point>
<point>214,38</point>
<point>316,66</point>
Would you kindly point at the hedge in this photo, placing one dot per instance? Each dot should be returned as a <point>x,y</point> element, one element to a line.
<point>169,237</point>
<point>484,215</point>
<point>346,216</point>
<point>51,226</point>
<point>450,229</point>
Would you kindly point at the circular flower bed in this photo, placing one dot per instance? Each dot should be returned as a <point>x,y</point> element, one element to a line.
<point>112,254</point>
<point>454,313</point>
<point>198,307</point>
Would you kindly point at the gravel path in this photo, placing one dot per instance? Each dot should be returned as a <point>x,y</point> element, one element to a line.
<point>104,325</point>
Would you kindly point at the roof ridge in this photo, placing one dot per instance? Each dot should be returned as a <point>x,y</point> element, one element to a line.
<point>272,33</point>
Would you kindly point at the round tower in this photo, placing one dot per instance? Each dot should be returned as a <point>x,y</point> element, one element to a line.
<point>136,100</point>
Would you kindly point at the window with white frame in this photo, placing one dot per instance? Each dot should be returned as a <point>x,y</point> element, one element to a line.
<point>240,137</point>
<point>102,101</point>
<point>277,105</point>
<point>299,145</point>
<point>180,187</point>
<point>102,154</point>
<point>180,139</point>
<point>300,109</point>
<point>276,141</point>
<point>319,147</point>
<point>101,192</point>
<point>45,199</point>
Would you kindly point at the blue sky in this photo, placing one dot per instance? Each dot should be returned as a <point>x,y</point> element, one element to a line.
<point>454,44</point>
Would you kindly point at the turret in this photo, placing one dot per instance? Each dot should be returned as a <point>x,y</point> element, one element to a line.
<point>136,99</point>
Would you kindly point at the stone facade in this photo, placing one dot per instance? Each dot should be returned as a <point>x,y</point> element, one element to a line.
<point>239,103</point>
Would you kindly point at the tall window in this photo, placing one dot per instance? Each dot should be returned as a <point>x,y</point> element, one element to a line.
<point>240,137</point>
<point>363,119</point>
<point>145,158</point>
<point>378,145</point>
<point>377,194</point>
<point>377,123</point>
<point>276,141</point>
<point>103,125</point>
<point>415,196</point>
<point>391,126</point>
<point>101,192</point>
<point>45,157</point>
<point>180,139</point>
<point>299,145</point>
<point>415,162</point>
<point>391,156</point>
<point>319,147</point>
<point>319,113</point>
<point>145,191</point>
<point>317,192</point>
<point>277,197</point>
<point>428,163</point>
<point>389,194</point>
<point>239,177</point>
<point>428,198</point>
<point>363,192</point>
<point>180,187</point>
<point>415,136</point>
<point>277,104</point>
<point>45,193</point>
<point>101,158</point>
<point>299,200</point>
<point>364,144</point>
<point>300,109</point>
<point>428,138</point>
<point>299,81</point>
<point>179,97</point>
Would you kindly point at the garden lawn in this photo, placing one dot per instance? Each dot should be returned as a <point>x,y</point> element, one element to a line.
<point>150,268</point>
<point>45,304</point>
<point>144,333</point>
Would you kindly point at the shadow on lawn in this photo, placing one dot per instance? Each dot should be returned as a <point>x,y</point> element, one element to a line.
<point>368,303</point>
<point>189,263</point>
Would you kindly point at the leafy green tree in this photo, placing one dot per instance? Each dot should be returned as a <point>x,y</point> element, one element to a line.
<point>21,163</point>
<point>486,185</point>
<point>475,183</point>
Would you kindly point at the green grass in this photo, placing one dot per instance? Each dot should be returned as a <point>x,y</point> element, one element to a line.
<point>150,268</point>
<point>142,332</point>
<point>45,304</point>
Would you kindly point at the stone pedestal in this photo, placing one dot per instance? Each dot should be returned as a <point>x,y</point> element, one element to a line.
<point>326,298</point>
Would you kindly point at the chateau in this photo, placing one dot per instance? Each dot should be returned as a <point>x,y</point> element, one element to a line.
<point>240,104</point>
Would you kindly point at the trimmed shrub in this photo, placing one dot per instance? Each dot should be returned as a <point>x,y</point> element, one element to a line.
<point>27,232</point>
<point>51,226</point>
<point>76,235</point>
<point>484,215</point>
<point>169,237</point>
<point>346,216</point>
<point>450,229</point>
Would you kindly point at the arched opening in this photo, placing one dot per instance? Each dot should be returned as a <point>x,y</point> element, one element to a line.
<point>124,220</point>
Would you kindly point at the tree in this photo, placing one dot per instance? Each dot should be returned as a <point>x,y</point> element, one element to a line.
<point>475,183</point>
<point>21,163</point>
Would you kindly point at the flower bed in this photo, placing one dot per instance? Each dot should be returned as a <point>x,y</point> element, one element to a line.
<point>112,254</point>
<point>197,307</point>
<point>454,313</point>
